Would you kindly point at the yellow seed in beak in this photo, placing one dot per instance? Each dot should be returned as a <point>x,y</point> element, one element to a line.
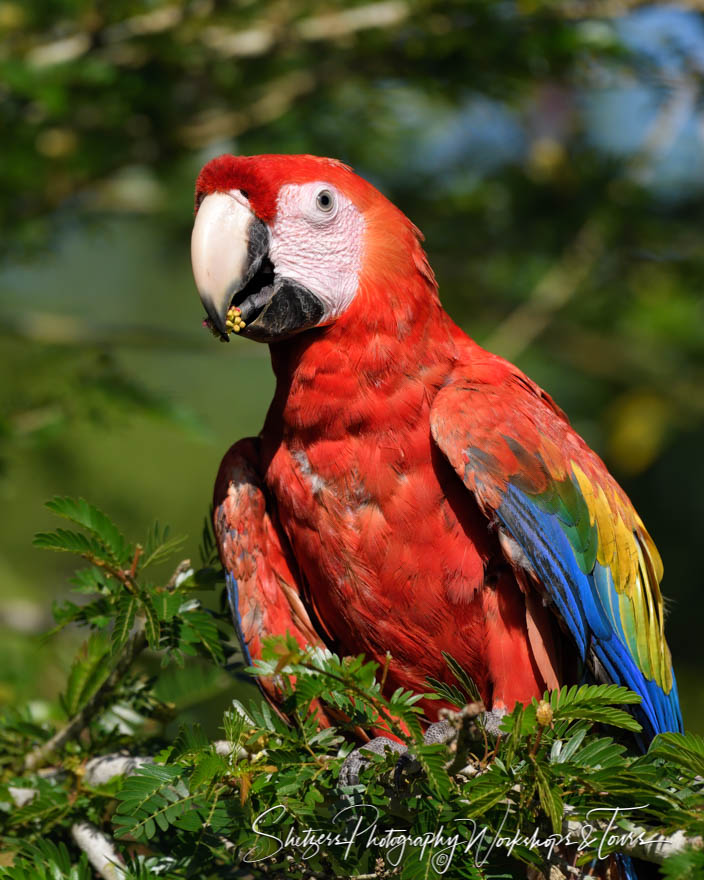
<point>233,322</point>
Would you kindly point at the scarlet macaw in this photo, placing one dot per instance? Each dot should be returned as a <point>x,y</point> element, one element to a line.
<point>409,492</point>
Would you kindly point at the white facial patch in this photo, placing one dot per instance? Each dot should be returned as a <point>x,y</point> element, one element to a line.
<point>317,240</point>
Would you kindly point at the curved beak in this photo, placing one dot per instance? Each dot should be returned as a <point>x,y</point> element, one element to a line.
<point>228,244</point>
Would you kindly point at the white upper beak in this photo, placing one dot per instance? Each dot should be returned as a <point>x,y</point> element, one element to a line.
<point>220,251</point>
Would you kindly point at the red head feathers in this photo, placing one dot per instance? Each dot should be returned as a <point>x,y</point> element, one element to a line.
<point>390,236</point>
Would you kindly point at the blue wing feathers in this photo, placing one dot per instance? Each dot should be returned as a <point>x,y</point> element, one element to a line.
<point>588,603</point>
<point>233,597</point>
<point>535,539</point>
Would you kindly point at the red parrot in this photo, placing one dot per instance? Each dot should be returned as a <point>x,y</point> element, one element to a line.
<point>409,492</point>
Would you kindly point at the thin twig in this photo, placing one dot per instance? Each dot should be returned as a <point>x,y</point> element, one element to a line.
<point>138,550</point>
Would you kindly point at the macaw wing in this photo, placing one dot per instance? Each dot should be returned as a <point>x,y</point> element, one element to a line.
<point>263,587</point>
<point>566,522</point>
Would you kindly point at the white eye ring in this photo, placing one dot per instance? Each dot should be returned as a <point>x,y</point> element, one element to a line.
<point>325,201</point>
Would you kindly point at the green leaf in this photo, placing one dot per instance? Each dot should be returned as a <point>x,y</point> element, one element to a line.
<point>550,800</point>
<point>190,740</point>
<point>46,860</point>
<point>466,682</point>
<point>448,692</point>
<point>208,550</point>
<point>152,628</point>
<point>96,614</point>
<point>100,525</point>
<point>65,613</point>
<point>684,750</point>
<point>189,821</point>
<point>587,695</point>
<point>147,798</point>
<point>72,542</point>
<point>167,605</point>
<point>124,621</point>
<point>203,579</point>
<point>88,580</point>
<point>487,790</point>
<point>47,806</point>
<point>599,753</point>
<point>199,626</point>
<point>595,703</point>
<point>208,767</point>
<point>159,546</point>
<point>432,759</point>
<point>89,670</point>
<point>567,750</point>
<point>687,865</point>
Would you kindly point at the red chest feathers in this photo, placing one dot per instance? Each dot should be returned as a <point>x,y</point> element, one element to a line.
<point>392,553</point>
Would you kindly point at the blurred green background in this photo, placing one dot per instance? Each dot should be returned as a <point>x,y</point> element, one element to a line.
<point>552,153</point>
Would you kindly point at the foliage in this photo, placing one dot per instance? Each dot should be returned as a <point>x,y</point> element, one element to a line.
<point>45,860</point>
<point>206,809</point>
<point>550,152</point>
<point>172,620</point>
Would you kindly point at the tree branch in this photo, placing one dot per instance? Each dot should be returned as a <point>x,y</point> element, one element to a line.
<point>100,850</point>
<point>133,647</point>
<point>104,858</point>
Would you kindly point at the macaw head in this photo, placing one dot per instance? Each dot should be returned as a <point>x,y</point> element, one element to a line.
<point>282,244</point>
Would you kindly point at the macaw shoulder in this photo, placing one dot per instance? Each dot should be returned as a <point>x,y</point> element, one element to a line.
<point>500,423</point>
<point>499,429</point>
<point>480,372</point>
<point>492,414</point>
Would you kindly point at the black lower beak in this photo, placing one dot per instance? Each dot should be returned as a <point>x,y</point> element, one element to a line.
<point>291,309</point>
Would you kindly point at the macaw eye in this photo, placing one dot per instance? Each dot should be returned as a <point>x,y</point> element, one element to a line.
<point>325,201</point>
